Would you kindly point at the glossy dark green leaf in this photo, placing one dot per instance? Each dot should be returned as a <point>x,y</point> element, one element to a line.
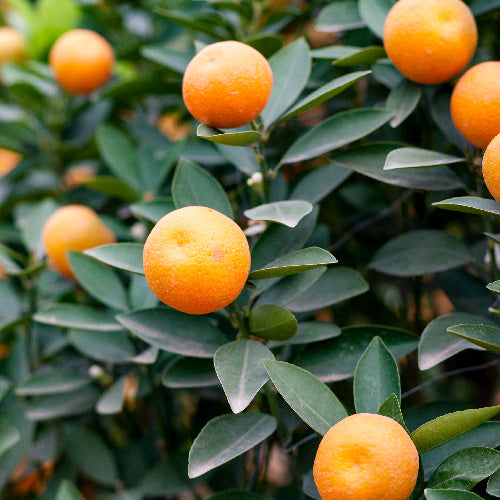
<point>471,205</point>
<point>293,263</point>
<point>403,99</point>
<point>437,344</point>
<point>464,469</point>
<point>112,187</point>
<point>447,427</point>
<point>52,382</point>
<point>318,182</point>
<point>342,55</point>
<point>339,16</point>
<point>325,92</point>
<point>291,68</point>
<point>288,212</point>
<point>391,408</point>
<point>68,491</point>
<point>242,158</point>
<point>245,138</point>
<point>418,157</point>
<point>310,398</point>
<point>335,285</point>
<point>99,281</point>
<point>140,295</point>
<point>376,377</point>
<point>369,160</point>
<point>62,405</point>
<point>272,322</point>
<point>336,359</point>
<point>126,256</point>
<point>226,437</point>
<point>451,494</point>
<point>419,252</point>
<point>174,331</point>
<point>119,154</point>
<point>493,487</point>
<point>9,437</point>
<point>163,479</point>
<point>240,370</point>
<point>486,336</point>
<point>112,399</point>
<point>90,454</point>
<point>152,210</point>
<point>335,132</point>
<point>190,372</point>
<point>374,12</point>
<point>309,332</point>
<point>110,347</point>
<point>193,185</point>
<point>77,316</point>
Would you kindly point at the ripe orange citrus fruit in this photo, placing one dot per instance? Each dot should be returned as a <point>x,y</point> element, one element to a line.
<point>196,260</point>
<point>73,227</point>
<point>366,457</point>
<point>12,45</point>
<point>227,84</point>
<point>430,41</point>
<point>475,103</point>
<point>491,167</point>
<point>82,61</point>
<point>8,161</point>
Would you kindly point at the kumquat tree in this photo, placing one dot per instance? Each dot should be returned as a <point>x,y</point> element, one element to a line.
<point>249,249</point>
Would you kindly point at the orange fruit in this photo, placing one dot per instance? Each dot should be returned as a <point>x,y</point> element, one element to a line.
<point>77,175</point>
<point>227,84</point>
<point>8,161</point>
<point>430,41</point>
<point>82,61</point>
<point>172,126</point>
<point>12,45</point>
<point>491,167</point>
<point>73,227</point>
<point>475,103</point>
<point>366,457</point>
<point>196,260</point>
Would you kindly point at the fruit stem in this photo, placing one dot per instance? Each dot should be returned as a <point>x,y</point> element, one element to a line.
<point>243,332</point>
<point>260,157</point>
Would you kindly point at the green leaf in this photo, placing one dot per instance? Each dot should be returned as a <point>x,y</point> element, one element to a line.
<point>480,7</point>
<point>99,281</point>
<point>495,286</point>
<point>309,332</point>
<point>112,187</point>
<point>52,382</point>
<point>226,437</point>
<point>376,377</point>
<point>173,59</point>
<point>90,454</point>
<point>110,347</point>
<point>119,154</point>
<point>243,159</point>
<point>417,157</point>
<point>447,427</point>
<point>374,12</point>
<point>245,138</point>
<point>431,494</point>
<point>493,487</point>
<point>62,405</point>
<point>126,256</point>
<point>112,399</point>
<point>291,68</point>
<point>266,43</point>
<point>193,185</point>
<point>174,331</point>
<point>163,479</point>
<point>419,252</point>
<point>369,160</point>
<point>272,322</point>
<point>293,263</point>
<point>154,210</point>
<point>77,316</point>
<point>339,16</point>
<point>68,491</point>
<point>471,205</point>
<point>190,372</point>
<point>336,359</point>
<point>486,336</point>
<point>318,182</point>
<point>10,305</point>
<point>240,370</point>
<point>352,56</point>
<point>437,345</point>
<point>288,212</point>
<point>325,92</point>
<point>464,469</point>
<point>391,408</point>
<point>403,99</point>
<point>335,285</point>
<point>310,398</point>
<point>9,437</point>
<point>335,132</point>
